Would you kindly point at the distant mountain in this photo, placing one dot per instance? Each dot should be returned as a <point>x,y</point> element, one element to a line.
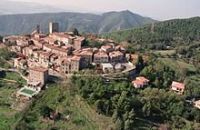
<point>113,21</point>
<point>84,22</point>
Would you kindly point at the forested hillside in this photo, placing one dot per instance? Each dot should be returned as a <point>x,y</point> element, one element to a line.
<point>167,32</point>
<point>181,36</point>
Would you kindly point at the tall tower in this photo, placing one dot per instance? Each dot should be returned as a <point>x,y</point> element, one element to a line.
<point>53,27</point>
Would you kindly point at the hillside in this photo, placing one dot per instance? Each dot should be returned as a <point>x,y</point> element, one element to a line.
<point>84,22</point>
<point>160,32</point>
<point>181,36</point>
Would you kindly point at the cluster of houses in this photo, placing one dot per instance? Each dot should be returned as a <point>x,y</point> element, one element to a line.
<point>141,82</point>
<point>59,53</point>
<point>177,87</point>
<point>37,79</point>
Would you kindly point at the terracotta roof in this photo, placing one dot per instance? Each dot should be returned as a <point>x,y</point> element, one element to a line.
<point>62,35</point>
<point>76,52</point>
<point>143,79</point>
<point>106,47</point>
<point>178,85</point>
<point>37,39</point>
<point>197,102</point>
<point>87,49</point>
<point>68,46</point>
<point>76,58</point>
<point>64,61</point>
<point>45,54</point>
<point>55,48</point>
<point>119,47</point>
<point>138,82</point>
<point>39,69</point>
<point>15,37</point>
<point>79,38</point>
<point>88,53</point>
<point>49,39</point>
<point>101,54</point>
<point>115,53</point>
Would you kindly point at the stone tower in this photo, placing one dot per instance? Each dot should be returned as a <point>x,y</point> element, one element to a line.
<point>53,27</point>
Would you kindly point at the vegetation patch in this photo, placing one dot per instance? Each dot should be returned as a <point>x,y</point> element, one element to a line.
<point>165,52</point>
<point>8,116</point>
<point>59,108</point>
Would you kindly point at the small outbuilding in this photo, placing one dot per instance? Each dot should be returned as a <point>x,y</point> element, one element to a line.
<point>107,67</point>
<point>178,87</point>
<point>140,82</point>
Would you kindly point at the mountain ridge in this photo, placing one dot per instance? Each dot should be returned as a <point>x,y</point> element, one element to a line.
<point>84,22</point>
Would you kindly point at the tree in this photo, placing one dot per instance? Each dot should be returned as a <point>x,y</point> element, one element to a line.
<point>45,111</point>
<point>129,118</point>
<point>116,115</point>
<point>75,31</point>
<point>22,126</point>
<point>140,63</point>
<point>1,38</point>
<point>6,54</point>
<point>99,106</point>
<point>119,124</point>
<point>128,125</point>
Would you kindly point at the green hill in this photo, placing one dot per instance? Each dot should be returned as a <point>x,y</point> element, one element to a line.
<point>164,32</point>
<point>179,38</point>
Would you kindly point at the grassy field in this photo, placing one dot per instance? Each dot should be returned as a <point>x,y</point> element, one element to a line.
<point>61,97</point>
<point>178,64</point>
<point>8,116</point>
<point>4,64</point>
<point>165,52</point>
<point>14,76</point>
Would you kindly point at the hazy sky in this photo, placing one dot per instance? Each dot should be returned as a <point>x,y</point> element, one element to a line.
<point>158,9</point>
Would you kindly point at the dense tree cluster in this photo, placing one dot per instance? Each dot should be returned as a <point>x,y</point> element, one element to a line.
<point>159,74</point>
<point>180,35</point>
<point>161,33</point>
<point>5,55</point>
<point>127,105</point>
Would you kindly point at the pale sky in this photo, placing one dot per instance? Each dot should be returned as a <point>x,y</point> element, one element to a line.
<point>157,9</point>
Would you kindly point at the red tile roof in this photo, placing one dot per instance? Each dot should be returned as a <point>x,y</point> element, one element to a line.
<point>75,58</point>
<point>45,54</point>
<point>178,85</point>
<point>143,79</point>
<point>138,82</point>
<point>115,53</point>
<point>39,69</point>
<point>106,47</point>
<point>101,54</point>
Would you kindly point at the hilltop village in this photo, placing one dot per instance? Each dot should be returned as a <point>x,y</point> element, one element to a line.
<point>116,79</point>
<point>61,54</point>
